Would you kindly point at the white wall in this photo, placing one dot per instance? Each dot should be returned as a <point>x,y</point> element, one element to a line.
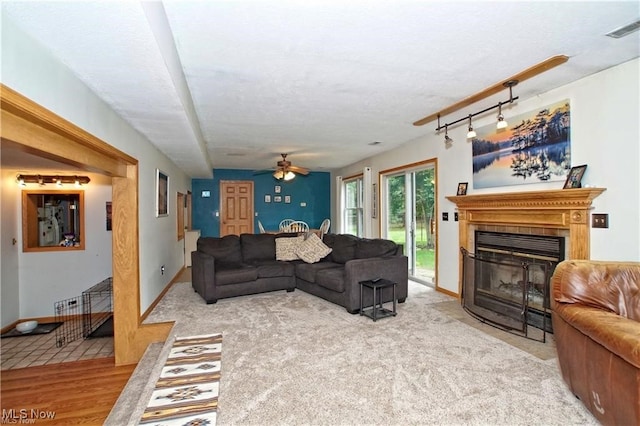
<point>605,135</point>
<point>9,252</point>
<point>30,70</point>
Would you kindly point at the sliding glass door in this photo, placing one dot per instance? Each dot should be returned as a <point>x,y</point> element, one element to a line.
<point>410,218</point>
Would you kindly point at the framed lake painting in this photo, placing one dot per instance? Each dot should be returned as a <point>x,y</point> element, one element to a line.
<point>535,147</point>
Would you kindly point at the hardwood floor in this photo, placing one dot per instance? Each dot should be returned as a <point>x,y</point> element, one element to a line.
<point>79,392</point>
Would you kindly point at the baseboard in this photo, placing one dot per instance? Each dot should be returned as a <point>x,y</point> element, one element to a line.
<point>161,295</point>
<point>447,292</point>
<point>41,320</point>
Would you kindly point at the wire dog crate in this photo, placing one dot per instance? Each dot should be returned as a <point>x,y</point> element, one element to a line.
<point>85,315</point>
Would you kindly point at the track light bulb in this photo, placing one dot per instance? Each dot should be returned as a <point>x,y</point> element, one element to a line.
<point>21,181</point>
<point>447,140</point>
<point>502,123</point>
<point>472,133</point>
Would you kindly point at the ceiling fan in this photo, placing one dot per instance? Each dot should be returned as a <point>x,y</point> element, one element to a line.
<point>285,170</point>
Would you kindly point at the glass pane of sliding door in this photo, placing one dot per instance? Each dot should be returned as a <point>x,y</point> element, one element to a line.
<point>410,219</point>
<point>396,225</point>
<point>424,268</point>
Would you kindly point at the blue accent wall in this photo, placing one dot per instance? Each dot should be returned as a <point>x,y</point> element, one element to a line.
<point>313,189</point>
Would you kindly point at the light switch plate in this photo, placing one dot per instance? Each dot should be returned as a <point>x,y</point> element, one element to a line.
<point>599,220</point>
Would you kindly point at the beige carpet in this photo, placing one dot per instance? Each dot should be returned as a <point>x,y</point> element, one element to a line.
<point>292,358</point>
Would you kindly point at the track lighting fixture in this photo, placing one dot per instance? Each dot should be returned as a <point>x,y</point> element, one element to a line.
<point>447,140</point>
<point>502,123</point>
<point>472,133</point>
<point>59,180</point>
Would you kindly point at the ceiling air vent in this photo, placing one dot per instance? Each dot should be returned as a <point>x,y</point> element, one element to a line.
<point>626,30</point>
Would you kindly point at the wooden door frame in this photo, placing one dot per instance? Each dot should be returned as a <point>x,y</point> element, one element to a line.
<point>38,131</point>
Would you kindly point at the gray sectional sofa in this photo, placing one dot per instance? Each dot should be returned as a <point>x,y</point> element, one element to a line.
<point>246,264</point>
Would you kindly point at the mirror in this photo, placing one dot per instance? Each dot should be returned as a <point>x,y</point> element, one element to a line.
<point>52,220</point>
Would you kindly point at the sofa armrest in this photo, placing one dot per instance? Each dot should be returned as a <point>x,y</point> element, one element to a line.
<point>203,276</point>
<point>392,268</point>
<point>615,332</point>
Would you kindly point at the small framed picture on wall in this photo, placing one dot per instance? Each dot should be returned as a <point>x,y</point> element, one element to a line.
<point>277,198</point>
<point>267,198</point>
<point>277,189</point>
<point>287,199</point>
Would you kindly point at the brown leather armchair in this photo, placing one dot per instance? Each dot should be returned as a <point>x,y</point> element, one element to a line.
<point>596,321</point>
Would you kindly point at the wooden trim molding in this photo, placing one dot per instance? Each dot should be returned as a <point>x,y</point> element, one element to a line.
<point>41,132</point>
<point>545,212</point>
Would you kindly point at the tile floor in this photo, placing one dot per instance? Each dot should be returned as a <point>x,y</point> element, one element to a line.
<point>29,351</point>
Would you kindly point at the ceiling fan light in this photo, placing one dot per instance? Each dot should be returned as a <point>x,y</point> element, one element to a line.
<point>289,175</point>
<point>278,174</point>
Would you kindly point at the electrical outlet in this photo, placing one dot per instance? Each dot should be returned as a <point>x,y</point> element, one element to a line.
<point>162,270</point>
<point>600,220</point>
<point>455,216</point>
<point>445,217</point>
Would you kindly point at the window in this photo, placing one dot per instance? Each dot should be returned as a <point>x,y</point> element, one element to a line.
<point>52,220</point>
<point>353,206</point>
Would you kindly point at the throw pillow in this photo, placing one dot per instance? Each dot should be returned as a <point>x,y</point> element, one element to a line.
<point>286,247</point>
<point>312,249</point>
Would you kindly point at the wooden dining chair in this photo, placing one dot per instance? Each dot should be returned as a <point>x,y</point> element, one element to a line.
<point>284,224</point>
<point>324,227</point>
<point>298,226</point>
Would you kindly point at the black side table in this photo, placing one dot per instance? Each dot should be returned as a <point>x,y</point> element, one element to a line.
<point>377,311</point>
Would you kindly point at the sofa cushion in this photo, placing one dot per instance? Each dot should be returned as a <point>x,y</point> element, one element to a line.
<point>225,249</point>
<point>312,249</point>
<point>378,247</point>
<point>273,268</point>
<point>235,273</point>
<point>332,278</point>
<point>343,247</point>
<point>258,247</point>
<point>286,247</point>
<point>308,271</point>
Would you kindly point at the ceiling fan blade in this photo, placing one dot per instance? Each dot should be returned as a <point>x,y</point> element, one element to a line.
<point>543,66</point>
<point>263,172</point>
<point>299,170</point>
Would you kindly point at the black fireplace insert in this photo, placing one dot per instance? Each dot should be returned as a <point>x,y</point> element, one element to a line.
<point>506,280</point>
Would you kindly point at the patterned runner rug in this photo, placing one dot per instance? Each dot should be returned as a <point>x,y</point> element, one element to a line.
<point>186,392</point>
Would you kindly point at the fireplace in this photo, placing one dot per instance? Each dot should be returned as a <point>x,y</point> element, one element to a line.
<point>506,280</point>
<point>511,242</point>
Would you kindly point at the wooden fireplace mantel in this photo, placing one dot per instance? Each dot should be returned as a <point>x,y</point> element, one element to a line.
<point>562,210</point>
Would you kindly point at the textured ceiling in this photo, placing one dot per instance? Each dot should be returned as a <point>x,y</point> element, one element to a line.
<point>232,84</point>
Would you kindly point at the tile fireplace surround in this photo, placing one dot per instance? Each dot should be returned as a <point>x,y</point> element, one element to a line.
<point>563,212</point>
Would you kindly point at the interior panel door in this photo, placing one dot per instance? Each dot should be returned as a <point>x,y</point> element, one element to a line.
<point>236,207</point>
